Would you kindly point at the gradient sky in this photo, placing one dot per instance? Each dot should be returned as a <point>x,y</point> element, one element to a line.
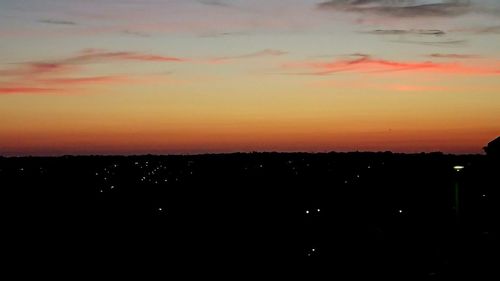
<point>187,76</point>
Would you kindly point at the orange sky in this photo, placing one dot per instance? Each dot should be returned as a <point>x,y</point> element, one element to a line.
<point>198,76</point>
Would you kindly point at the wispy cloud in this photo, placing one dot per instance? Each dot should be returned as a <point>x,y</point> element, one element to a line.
<point>363,63</point>
<point>71,64</point>
<point>222,34</point>
<point>86,80</point>
<point>91,55</point>
<point>448,43</point>
<point>51,76</point>
<point>401,8</point>
<point>136,33</point>
<point>258,54</point>
<point>30,69</point>
<point>57,22</point>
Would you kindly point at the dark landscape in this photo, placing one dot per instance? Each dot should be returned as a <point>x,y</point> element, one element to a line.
<point>426,216</point>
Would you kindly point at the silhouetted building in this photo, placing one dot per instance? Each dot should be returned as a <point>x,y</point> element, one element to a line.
<point>493,148</point>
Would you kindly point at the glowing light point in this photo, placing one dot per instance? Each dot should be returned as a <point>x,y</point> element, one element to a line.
<point>458,168</point>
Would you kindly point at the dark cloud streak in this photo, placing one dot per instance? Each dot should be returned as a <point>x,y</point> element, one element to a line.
<point>217,3</point>
<point>402,8</point>
<point>57,22</point>
<point>432,32</point>
<point>453,56</point>
<point>136,33</point>
<point>449,43</point>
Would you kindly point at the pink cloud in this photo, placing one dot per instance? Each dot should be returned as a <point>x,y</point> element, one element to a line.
<point>367,64</point>
<point>86,80</point>
<point>90,55</point>
<point>37,68</point>
<point>33,77</point>
<point>26,90</point>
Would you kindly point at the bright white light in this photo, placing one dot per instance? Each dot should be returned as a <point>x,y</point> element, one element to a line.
<point>319,210</point>
<point>400,211</point>
<point>458,168</point>
<point>314,250</point>
<point>307,211</point>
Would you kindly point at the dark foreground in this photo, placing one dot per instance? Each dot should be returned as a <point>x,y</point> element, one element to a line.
<point>347,214</point>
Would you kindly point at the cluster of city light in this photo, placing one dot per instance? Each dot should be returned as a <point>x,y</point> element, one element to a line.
<point>107,177</point>
<point>311,252</point>
<point>154,174</point>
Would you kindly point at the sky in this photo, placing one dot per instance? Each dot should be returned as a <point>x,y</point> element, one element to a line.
<point>205,76</point>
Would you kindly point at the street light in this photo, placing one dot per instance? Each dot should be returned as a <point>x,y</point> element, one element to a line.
<point>456,199</point>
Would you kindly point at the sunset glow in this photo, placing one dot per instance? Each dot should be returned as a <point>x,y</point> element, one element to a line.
<point>187,76</point>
